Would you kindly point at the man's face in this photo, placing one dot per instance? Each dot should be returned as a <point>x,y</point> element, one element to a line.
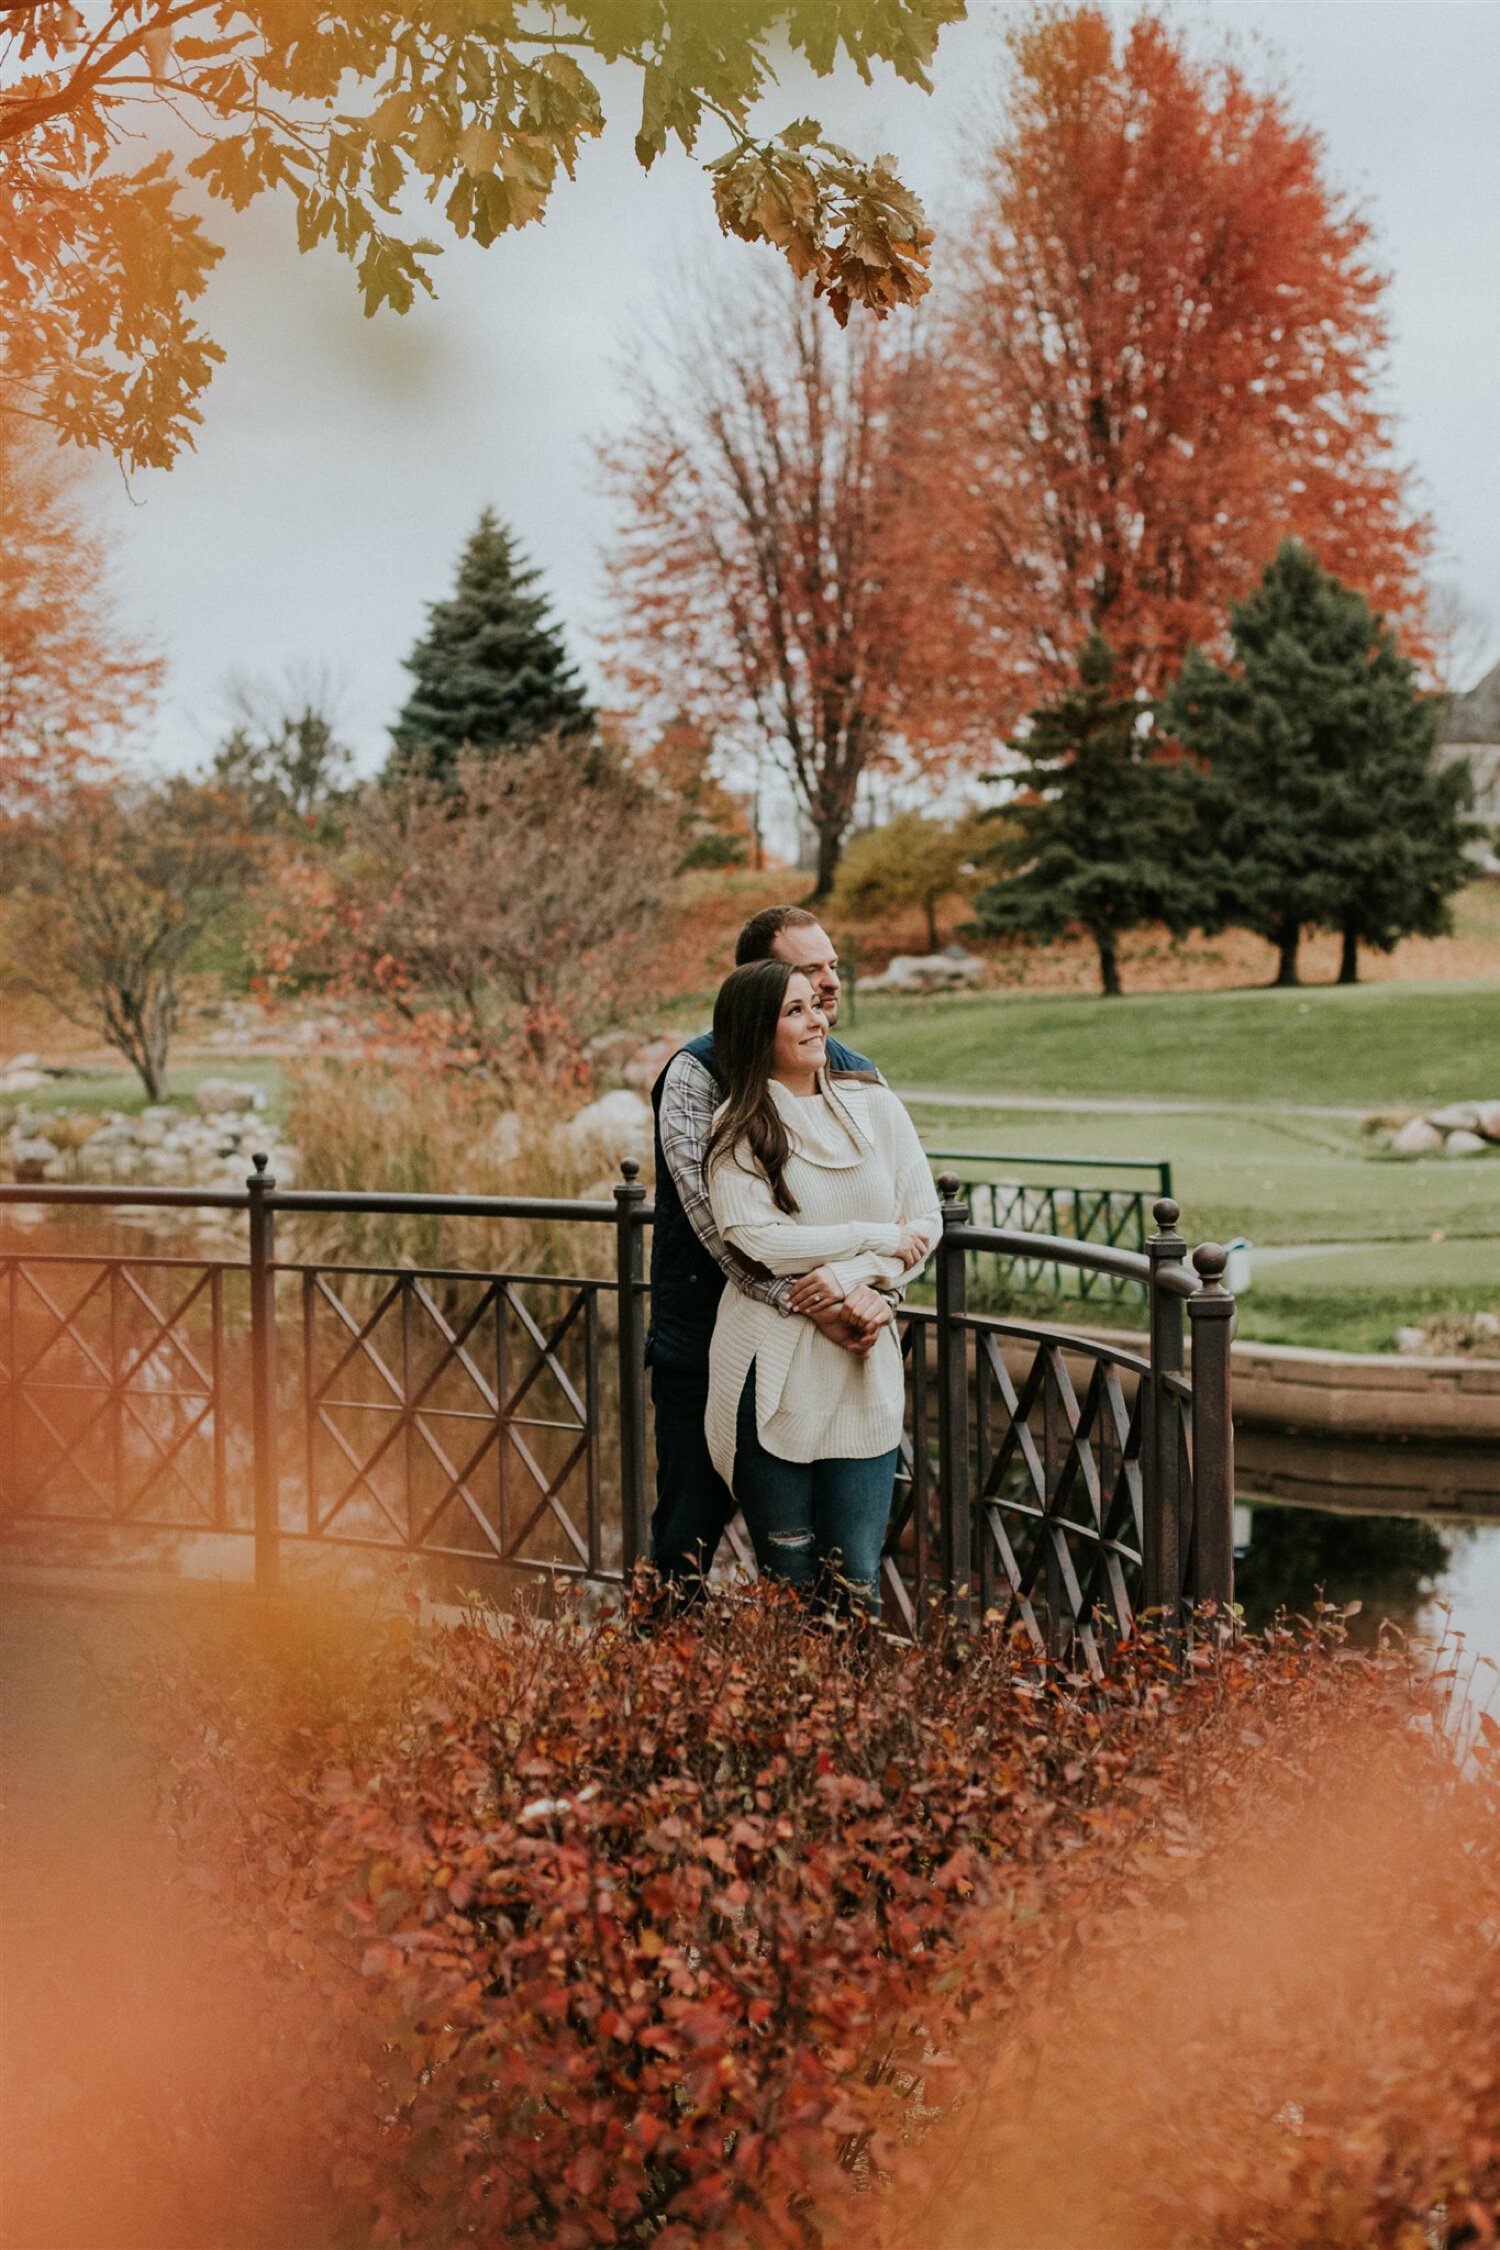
<point>810,949</point>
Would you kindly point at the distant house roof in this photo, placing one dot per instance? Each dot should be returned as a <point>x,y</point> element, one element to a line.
<point>1475,717</point>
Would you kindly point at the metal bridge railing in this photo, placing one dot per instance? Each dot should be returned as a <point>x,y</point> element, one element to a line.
<point>1117,1217</point>
<point>1046,1478</point>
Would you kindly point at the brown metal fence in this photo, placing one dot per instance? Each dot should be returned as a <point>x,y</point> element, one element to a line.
<point>1047,1477</point>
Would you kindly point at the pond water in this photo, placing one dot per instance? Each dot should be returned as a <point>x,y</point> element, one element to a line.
<point>1434,1576</point>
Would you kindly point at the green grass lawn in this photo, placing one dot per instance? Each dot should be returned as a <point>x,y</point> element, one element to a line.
<point>122,1090</point>
<point>1273,1178</point>
<point>1428,1231</point>
<point>1360,1046</point>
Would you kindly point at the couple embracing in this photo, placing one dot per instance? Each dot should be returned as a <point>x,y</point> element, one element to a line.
<point>793,1205</point>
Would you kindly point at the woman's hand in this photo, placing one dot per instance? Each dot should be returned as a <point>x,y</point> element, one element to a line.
<point>867,1310</point>
<point>913,1247</point>
<point>815,1291</point>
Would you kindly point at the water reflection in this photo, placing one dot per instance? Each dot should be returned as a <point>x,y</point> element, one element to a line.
<point>1393,1565</point>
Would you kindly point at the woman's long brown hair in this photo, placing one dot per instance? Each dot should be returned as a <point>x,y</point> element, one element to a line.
<point>746,1014</point>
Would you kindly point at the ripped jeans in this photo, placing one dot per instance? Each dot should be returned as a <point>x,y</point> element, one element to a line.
<point>813,1519</point>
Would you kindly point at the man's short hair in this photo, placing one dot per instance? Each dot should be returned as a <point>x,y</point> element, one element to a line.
<point>757,939</point>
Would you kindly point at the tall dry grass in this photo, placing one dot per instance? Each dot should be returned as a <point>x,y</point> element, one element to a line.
<point>421,1130</point>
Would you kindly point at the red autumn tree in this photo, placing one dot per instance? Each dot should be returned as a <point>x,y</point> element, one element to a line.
<point>71,682</point>
<point>768,587</point>
<point>1163,345</point>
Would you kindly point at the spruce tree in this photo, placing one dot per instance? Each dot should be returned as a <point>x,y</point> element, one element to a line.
<point>491,670</point>
<point>1093,839</point>
<point>1320,805</point>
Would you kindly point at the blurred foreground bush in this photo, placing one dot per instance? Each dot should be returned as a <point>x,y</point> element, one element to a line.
<point>692,1936</point>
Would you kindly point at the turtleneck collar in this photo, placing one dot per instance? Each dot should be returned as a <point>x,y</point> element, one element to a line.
<point>823,1127</point>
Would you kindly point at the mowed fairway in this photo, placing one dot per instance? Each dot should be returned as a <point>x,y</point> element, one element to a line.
<point>1251,1156</point>
<point>1355,1047</point>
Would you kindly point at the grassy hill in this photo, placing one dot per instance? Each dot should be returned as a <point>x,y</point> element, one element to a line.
<point>1359,1046</point>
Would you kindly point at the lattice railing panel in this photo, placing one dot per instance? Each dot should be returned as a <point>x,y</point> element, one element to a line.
<point>458,1415</point>
<point>1115,1218</point>
<point>1058,1490</point>
<point>112,1373</point>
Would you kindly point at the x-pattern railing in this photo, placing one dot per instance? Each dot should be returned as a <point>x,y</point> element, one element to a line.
<point>411,1400</point>
<point>94,1393</point>
<point>1065,1530</point>
<point>1052,1479</point>
<point>1115,1218</point>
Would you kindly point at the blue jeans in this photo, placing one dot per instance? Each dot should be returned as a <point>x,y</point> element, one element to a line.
<point>813,1520</point>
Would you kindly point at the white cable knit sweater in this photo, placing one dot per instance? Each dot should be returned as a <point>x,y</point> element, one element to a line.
<point>859,1174</point>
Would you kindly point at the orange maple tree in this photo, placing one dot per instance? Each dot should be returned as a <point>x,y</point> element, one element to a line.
<point>1163,341</point>
<point>768,588</point>
<point>71,681</point>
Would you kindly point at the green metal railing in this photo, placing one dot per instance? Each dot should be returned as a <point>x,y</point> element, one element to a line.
<point>1079,1211</point>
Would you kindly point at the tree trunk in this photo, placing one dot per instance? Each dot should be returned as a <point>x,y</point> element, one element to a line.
<point>1349,959</point>
<point>830,852</point>
<point>934,942</point>
<point>1109,965</point>
<point>1286,940</point>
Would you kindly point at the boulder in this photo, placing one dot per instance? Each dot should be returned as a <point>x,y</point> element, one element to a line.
<point>22,1079</point>
<point>1462,1143</point>
<point>927,972</point>
<point>30,1155</point>
<point>1382,1123</point>
<point>615,1126</point>
<point>613,1051</point>
<point>1458,1117</point>
<point>505,1139</point>
<point>148,1131</point>
<point>217,1096</point>
<point>1488,1120</point>
<point>1417,1139</point>
<point>650,1061</point>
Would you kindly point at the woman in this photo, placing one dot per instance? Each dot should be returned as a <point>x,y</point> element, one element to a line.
<point>823,1179</point>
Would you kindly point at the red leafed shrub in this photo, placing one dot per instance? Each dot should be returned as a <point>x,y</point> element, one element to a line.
<point>680,1936</point>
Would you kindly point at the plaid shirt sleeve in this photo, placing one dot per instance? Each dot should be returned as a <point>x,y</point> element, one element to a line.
<point>688,1101</point>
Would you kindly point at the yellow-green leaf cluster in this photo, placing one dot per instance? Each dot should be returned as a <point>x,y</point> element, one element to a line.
<point>354,112</point>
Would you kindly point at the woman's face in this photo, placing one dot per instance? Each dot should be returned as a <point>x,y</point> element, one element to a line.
<point>801,1031</point>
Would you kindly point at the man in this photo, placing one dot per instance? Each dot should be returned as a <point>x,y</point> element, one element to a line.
<point>690,1264</point>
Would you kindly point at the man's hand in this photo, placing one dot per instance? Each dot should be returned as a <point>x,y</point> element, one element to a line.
<point>849,1334</point>
<point>813,1291</point>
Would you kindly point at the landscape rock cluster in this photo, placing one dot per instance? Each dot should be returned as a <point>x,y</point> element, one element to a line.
<point>1457,1129</point>
<point>948,971</point>
<point>160,1146</point>
<point>1477,1334</point>
<point>617,1125</point>
<point>23,1074</point>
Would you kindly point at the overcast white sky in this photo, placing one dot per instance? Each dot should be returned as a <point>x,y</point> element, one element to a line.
<point>342,462</point>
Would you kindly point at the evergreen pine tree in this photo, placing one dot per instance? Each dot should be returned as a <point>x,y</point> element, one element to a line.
<point>1093,841</point>
<point>491,670</point>
<point>1320,803</point>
